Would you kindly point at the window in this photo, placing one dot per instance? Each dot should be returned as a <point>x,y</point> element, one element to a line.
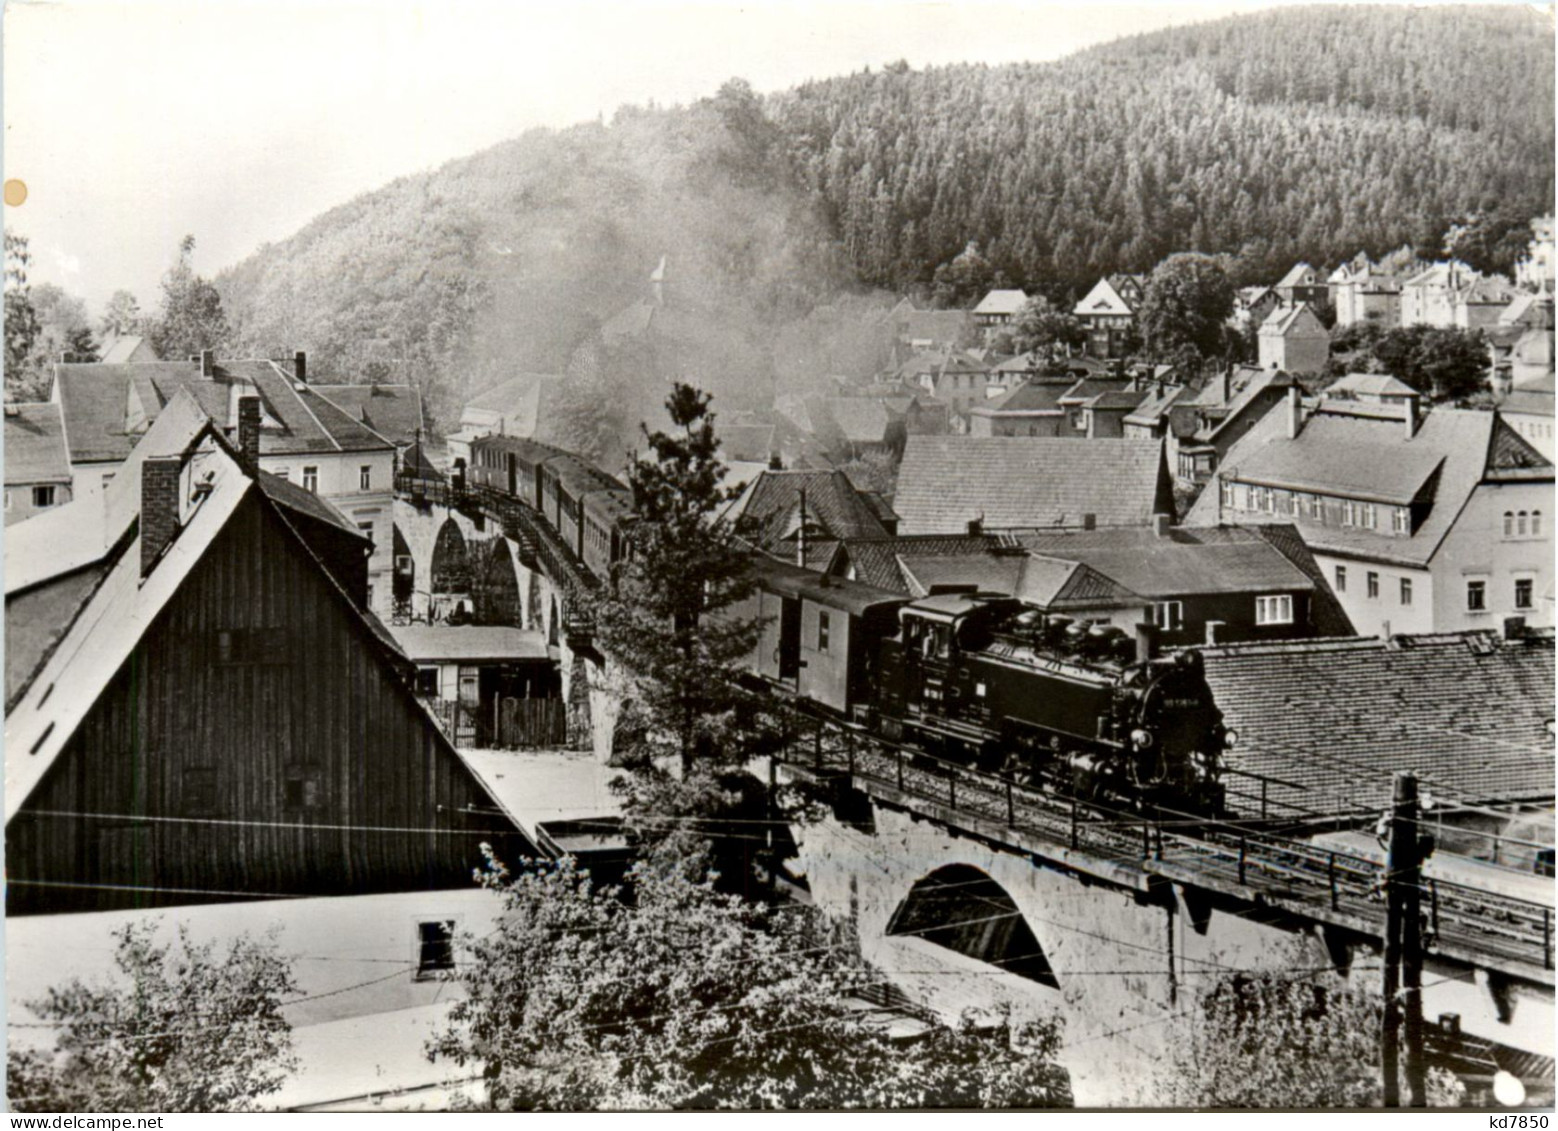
<point>1276,609</point>
<point>1373,583</point>
<point>1295,504</point>
<point>1227,489</point>
<point>1520,524</point>
<point>1536,523</point>
<point>822,632</point>
<point>1341,579</point>
<point>42,497</point>
<point>1476,596</point>
<point>1509,524</point>
<point>300,790</point>
<point>311,479</point>
<point>1406,590</point>
<point>1367,516</point>
<point>1522,592</point>
<point>1401,520</point>
<point>427,681</point>
<point>1169,615</point>
<point>365,478</point>
<point>1316,508</point>
<point>435,947</point>
<point>199,793</point>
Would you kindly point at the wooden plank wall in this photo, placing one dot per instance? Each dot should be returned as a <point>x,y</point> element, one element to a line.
<point>324,705</point>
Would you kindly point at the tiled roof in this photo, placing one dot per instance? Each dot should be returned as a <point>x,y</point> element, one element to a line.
<point>35,445</point>
<point>1117,399</point>
<point>36,619</point>
<point>1257,382</point>
<point>1466,711</point>
<point>393,411</point>
<point>862,420</point>
<point>94,399</point>
<point>883,562</point>
<point>295,498</point>
<point>1026,398</point>
<point>1371,385</point>
<point>118,351</point>
<point>1529,310</point>
<point>1362,451</point>
<point>1014,482</point>
<point>1103,299</point>
<point>1001,302</point>
<point>1286,319</point>
<point>1089,387</point>
<point>1295,276</point>
<point>1524,401</point>
<point>427,642</point>
<point>1150,412</point>
<point>1194,563</point>
<point>985,572</point>
<point>771,504</point>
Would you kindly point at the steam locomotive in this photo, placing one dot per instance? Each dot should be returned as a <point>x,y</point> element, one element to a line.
<point>990,682</point>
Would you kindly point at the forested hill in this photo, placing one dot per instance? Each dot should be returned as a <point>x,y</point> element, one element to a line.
<point>1295,134</point>
<point>1303,133</point>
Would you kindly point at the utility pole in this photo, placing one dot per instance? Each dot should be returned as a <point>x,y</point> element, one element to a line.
<point>1403,947</point>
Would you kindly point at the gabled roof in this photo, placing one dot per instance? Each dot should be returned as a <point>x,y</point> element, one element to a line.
<point>1089,387</point>
<point>886,562</point>
<point>1285,320</point>
<point>945,482</point>
<point>1150,412</point>
<point>1362,451</point>
<point>97,622</point>
<point>1295,276</point>
<point>1370,385</point>
<point>120,350</point>
<point>393,411</point>
<point>1006,302</point>
<point>861,420</point>
<point>1029,399</point>
<point>94,398</point>
<point>1248,384</point>
<point>940,326</point>
<point>1102,300</point>
<point>35,445</point>
<point>429,642</point>
<point>770,508</point>
<point>1529,309</point>
<point>1466,711</point>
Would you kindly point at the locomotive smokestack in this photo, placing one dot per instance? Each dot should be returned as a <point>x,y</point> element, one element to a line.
<point>1146,641</point>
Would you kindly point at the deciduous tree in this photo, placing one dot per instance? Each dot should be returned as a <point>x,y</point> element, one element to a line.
<point>1187,303</point>
<point>192,318</point>
<point>1042,328</point>
<point>21,320</point>
<point>121,316</point>
<point>185,1028</point>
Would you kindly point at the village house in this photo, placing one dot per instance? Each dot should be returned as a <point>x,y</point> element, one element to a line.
<point>126,349</point>
<point>304,437</point>
<point>1453,295</point>
<point>1423,522</point>
<point>1153,418</point>
<point>37,462</point>
<point>1253,305</point>
<point>200,613</point>
<point>801,516</point>
<point>1536,268</point>
<point>947,483</point>
<point>857,426</point>
<point>1361,292</point>
<point>1371,388</point>
<point>1108,314</point>
<point>1227,583</point>
<point>1528,409</point>
<point>955,378</point>
<point>1029,410</point>
<point>1079,398</point>
<point>1210,422</point>
<point>496,686</point>
<point>1293,339</point>
<point>915,329</point>
<point>1302,285</point>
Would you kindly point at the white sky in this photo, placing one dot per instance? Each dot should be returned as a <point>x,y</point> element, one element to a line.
<point>136,121</point>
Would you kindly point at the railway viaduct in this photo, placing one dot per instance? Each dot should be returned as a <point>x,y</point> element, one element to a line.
<point>969,897</point>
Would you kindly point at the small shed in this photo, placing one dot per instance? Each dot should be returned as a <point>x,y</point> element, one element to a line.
<point>493,686</point>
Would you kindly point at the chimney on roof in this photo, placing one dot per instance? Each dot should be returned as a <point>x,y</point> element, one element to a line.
<point>159,507</point>
<point>208,363</point>
<point>1146,641</point>
<point>976,526</point>
<point>1514,628</point>
<point>1214,631</point>
<point>1160,525</point>
<point>1090,522</point>
<point>1295,411</point>
<point>1410,406</point>
<point>300,367</point>
<point>249,433</point>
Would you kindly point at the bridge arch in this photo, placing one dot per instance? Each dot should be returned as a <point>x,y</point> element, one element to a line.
<point>495,584</point>
<point>450,571</point>
<point>963,909</point>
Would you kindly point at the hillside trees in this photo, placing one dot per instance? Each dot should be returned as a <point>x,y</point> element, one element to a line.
<point>185,1028</point>
<point>1444,363</point>
<point>679,997</point>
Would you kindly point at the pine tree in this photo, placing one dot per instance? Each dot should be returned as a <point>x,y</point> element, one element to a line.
<point>192,319</point>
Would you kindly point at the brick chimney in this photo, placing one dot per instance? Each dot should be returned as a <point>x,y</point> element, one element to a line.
<point>159,507</point>
<point>1090,522</point>
<point>1160,525</point>
<point>208,363</point>
<point>1412,414</point>
<point>1514,628</point>
<point>1214,631</point>
<point>300,367</point>
<point>1295,411</point>
<point>249,433</point>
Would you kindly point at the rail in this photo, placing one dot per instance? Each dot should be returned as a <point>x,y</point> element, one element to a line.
<point>1333,883</point>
